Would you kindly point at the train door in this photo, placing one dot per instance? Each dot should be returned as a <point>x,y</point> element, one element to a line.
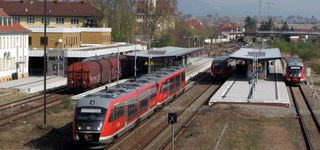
<point>116,119</point>
<point>171,86</point>
<point>164,94</point>
<point>153,95</point>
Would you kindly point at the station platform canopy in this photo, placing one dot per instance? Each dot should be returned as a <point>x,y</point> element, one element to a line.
<point>260,54</point>
<point>168,51</point>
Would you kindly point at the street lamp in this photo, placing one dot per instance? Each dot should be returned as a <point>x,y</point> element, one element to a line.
<point>60,43</point>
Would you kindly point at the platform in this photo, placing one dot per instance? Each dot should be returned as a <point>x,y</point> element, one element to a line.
<point>34,84</point>
<point>271,91</point>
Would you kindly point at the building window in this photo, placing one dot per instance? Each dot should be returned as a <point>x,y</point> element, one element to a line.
<point>74,21</point>
<point>16,19</point>
<point>30,19</point>
<point>42,20</point>
<point>30,40</point>
<point>59,20</point>
<point>43,41</point>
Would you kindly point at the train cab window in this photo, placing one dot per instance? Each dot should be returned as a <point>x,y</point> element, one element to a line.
<point>92,117</point>
<point>132,108</point>
<point>171,86</point>
<point>116,112</point>
<point>153,92</point>
<point>144,101</point>
<point>164,87</point>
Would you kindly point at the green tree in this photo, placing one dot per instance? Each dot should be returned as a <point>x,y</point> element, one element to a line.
<point>266,26</point>
<point>250,24</point>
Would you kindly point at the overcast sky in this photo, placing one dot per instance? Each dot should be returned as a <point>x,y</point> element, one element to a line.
<point>284,8</point>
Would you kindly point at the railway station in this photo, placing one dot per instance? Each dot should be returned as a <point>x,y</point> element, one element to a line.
<point>167,56</point>
<point>258,79</point>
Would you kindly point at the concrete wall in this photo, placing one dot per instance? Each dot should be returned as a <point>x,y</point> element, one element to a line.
<point>13,56</point>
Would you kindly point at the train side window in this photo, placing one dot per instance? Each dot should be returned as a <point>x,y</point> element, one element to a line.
<point>153,92</point>
<point>164,87</point>
<point>171,85</point>
<point>132,108</point>
<point>116,112</point>
<point>178,82</point>
<point>144,101</point>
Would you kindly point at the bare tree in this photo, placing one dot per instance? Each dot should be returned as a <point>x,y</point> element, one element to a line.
<point>156,15</point>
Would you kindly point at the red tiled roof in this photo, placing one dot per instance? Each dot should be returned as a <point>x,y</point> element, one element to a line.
<point>15,28</point>
<point>194,23</point>
<point>55,8</point>
<point>2,13</point>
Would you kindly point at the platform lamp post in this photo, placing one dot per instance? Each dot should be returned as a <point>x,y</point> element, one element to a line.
<point>45,66</point>
<point>60,43</point>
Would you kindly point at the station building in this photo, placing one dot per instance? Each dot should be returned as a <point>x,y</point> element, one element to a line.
<point>13,49</point>
<point>73,14</point>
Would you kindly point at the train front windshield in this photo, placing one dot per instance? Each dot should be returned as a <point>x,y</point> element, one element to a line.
<point>219,64</point>
<point>90,119</point>
<point>295,71</point>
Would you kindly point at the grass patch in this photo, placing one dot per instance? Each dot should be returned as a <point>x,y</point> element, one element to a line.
<point>317,83</point>
<point>66,103</point>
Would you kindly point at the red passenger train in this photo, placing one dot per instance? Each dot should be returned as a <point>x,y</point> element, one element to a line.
<point>221,67</point>
<point>101,117</point>
<point>295,71</point>
<point>91,73</point>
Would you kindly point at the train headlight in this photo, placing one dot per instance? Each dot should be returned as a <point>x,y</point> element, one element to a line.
<point>84,82</point>
<point>99,127</point>
<point>79,128</point>
<point>299,74</point>
<point>72,82</point>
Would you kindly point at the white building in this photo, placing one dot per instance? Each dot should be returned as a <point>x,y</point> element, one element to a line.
<point>13,49</point>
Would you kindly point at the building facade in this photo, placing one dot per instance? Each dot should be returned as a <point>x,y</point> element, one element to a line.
<point>66,38</point>
<point>13,49</point>
<point>29,13</point>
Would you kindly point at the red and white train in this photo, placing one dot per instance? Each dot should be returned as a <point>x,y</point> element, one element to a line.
<point>221,67</point>
<point>102,117</point>
<point>295,71</point>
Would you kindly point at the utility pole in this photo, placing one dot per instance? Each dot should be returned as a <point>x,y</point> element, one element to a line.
<point>135,60</point>
<point>269,7</point>
<point>260,8</point>
<point>118,65</point>
<point>45,66</point>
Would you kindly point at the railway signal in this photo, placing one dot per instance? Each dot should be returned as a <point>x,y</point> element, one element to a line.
<point>172,119</point>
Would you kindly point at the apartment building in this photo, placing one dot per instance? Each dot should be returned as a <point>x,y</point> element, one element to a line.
<point>13,48</point>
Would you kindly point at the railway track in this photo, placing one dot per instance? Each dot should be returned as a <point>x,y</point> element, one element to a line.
<point>25,107</point>
<point>308,121</point>
<point>151,130</point>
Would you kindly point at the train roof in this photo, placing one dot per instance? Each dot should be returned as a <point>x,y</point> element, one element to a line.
<point>221,58</point>
<point>294,61</point>
<point>103,97</point>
